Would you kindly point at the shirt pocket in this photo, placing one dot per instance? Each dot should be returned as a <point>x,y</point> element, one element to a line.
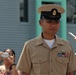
<point>62,60</point>
<point>40,65</point>
<point>61,65</point>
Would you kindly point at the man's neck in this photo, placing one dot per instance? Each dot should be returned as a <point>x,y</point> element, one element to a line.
<point>48,37</point>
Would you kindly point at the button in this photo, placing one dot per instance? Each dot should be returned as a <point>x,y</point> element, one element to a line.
<point>52,70</point>
<point>39,60</point>
<point>51,60</point>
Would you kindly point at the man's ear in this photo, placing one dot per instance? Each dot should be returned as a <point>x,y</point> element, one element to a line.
<point>40,22</point>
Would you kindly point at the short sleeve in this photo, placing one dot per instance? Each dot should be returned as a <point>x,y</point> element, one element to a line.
<point>24,63</point>
<point>71,64</point>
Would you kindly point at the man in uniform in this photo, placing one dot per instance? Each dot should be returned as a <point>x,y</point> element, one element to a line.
<point>47,54</point>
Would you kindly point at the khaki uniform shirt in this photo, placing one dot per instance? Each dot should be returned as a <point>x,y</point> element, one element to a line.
<point>42,60</point>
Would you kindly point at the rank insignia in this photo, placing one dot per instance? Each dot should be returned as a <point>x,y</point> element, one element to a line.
<point>54,12</point>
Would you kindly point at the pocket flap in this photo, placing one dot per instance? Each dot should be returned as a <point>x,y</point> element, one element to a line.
<point>62,60</point>
<point>39,60</point>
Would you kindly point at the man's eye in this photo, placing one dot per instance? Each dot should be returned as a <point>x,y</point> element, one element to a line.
<point>56,21</point>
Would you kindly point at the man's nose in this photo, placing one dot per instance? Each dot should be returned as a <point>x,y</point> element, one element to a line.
<point>53,23</point>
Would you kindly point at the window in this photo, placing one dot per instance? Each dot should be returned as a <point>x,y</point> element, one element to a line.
<point>47,2</point>
<point>23,10</point>
<point>50,2</point>
<point>71,11</point>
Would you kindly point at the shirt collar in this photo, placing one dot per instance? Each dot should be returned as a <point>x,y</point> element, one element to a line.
<point>57,42</point>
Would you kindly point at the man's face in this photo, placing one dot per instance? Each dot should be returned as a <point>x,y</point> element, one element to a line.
<point>49,27</point>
